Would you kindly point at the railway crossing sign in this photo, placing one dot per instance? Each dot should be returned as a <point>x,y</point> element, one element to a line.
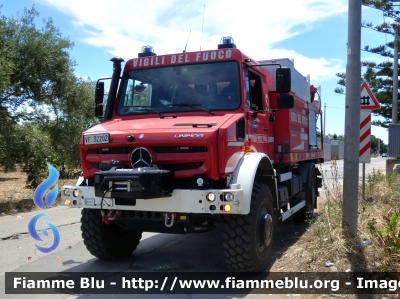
<point>368,99</point>
<point>368,103</point>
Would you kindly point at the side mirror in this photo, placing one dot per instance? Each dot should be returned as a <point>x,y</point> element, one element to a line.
<point>98,99</point>
<point>285,101</point>
<point>283,80</point>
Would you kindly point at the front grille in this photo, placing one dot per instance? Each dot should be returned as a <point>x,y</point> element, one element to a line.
<point>181,166</point>
<point>179,149</point>
<point>110,150</point>
<point>109,165</point>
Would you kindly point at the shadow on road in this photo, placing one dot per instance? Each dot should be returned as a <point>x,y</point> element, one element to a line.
<point>287,234</point>
<point>358,261</point>
<point>182,253</point>
<point>163,253</point>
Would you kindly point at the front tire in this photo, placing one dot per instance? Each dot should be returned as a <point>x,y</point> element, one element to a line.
<point>107,241</point>
<point>248,238</point>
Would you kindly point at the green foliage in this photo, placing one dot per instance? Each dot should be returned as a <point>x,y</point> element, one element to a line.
<point>394,184</point>
<point>8,138</point>
<point>23,205</point>
<point>374,178</point>
<point>37,69</point>
<point>374,145</point>
<point>378,223</point>
<point>389,234</point>
<point>6,206</point>
<point>379,75</point>
<point>43,106</point>
<point>388,230</point>
<point>338,137</point>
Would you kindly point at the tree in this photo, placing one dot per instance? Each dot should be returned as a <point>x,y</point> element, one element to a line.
<point>43,106</point>
<point>340,137</point>
<point>375,146</point>
<point>379,76</point>
<point>336,137</point>
<point>36,67</point>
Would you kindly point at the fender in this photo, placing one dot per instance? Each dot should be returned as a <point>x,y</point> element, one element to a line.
<point>249,167</point>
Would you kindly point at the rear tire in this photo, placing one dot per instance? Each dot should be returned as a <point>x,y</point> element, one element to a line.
<point>309,194</point>
<point>107,241</point>
<point>248,238</point>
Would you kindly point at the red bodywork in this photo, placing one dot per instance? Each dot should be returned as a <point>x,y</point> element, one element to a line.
<point>223,148</point>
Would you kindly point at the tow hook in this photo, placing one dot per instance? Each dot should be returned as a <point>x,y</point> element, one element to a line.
<point>169,219</point>
<point>112,214</point>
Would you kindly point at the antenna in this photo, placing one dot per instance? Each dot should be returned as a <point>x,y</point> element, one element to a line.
<point>201,37</point>
<point>187,41</point>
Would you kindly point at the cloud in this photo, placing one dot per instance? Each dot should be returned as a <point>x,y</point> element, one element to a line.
<point>319,69</point>
<point>124,26</point>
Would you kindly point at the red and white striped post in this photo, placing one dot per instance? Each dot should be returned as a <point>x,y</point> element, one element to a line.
<point>365,136</point>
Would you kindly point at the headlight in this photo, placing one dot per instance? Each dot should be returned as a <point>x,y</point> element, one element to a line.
<point>67,192</point>
<point>228,196</point>
<point>75,193</point>
<point>67,202</point>
<point>210,196</point>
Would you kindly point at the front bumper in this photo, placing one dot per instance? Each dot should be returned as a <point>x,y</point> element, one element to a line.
<point>150,190</point>
<point>179,201</point>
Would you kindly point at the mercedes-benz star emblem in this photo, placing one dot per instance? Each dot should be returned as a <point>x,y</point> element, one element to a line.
<point>141,157</point>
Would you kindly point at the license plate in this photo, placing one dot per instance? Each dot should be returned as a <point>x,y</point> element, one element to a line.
<point>96,139</point>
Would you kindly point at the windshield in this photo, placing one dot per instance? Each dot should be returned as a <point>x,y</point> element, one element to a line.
<point>213,86</point>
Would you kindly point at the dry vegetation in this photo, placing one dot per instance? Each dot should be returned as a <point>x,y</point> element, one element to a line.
<point>377,246</point>
<point>15,196</point>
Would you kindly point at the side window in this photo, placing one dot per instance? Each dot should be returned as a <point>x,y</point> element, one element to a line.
<point>255,91</point>
<point>128,100</point>
<point>248,97</point>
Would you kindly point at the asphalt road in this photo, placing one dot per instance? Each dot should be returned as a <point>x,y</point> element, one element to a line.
<point>156,252</point>
<point>377,164</point>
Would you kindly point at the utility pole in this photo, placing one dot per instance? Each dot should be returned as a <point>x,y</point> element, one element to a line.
<point>395,78</point>
<point>352,121</point>
<point>324,121</point>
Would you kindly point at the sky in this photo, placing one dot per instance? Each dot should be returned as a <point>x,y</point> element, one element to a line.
<point>312,32</point>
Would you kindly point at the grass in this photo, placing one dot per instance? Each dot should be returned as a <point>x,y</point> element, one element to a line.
<point>15,197</point>
<point>377,244</point>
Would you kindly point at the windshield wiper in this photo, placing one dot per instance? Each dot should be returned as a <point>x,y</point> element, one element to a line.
<point>194,106</point>
<point>150,108</point>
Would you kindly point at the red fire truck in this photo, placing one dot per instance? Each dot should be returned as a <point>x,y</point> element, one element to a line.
<point>195,138</point>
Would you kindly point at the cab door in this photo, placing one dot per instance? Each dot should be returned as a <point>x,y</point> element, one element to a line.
<point>260,129</point>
